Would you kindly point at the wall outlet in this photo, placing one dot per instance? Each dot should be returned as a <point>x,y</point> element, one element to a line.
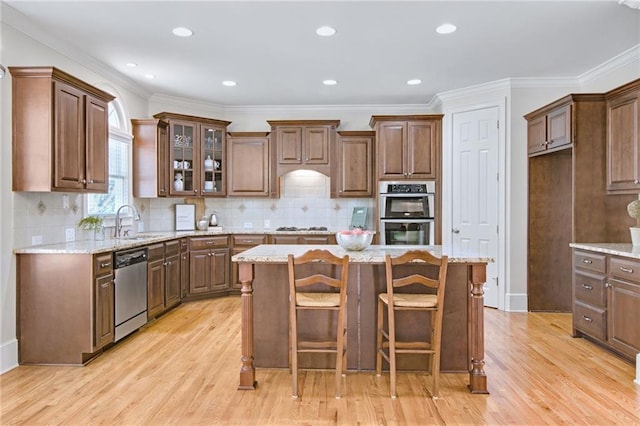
<point>70,234</point>
<point>36,240</point>
<point>248,225</point>
<point>267,224</point>
<point>140,226</point>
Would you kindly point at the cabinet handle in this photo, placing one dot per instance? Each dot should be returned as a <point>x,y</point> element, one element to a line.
<point>587,319</point>
<point>208,243</point>
<point>627,270</point>
<point>587,261</point>
<point>587,287</point>
<point>164,263</point>
<point>82,181</point>
<point>636,181</point>
<point>105,264</point>
<point>607,285</point>
<point>195,191</point>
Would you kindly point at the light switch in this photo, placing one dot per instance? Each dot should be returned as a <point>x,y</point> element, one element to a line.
<point>70,234</point>
<point>65,201</point>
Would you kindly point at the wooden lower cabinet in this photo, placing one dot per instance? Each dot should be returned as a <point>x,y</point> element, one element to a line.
<point>240,244</point>
<point>65,307</point>
<point>163,277</point>
<point>184,267</point>
<point>208,265</point>
<point>606,302</point>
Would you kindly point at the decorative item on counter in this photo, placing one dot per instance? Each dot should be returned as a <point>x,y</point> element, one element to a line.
<point>203,224</point>
<point>93,223</point>
<point>178,183</point>
<point>208,163</point>
<point>185,217</point>
<point>354,239</point>
<point>633,208</point>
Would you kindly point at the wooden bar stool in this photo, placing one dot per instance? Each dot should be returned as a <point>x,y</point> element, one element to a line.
<point>320,291</point>
<point>387,344</point>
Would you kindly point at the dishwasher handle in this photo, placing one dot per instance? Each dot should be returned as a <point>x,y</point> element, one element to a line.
<point>132,257</point>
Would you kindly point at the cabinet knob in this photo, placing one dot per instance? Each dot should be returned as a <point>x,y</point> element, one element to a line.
<point>607,285</point>
<point>82,181</point>
<point>636,181</point>
<point>91,181</point>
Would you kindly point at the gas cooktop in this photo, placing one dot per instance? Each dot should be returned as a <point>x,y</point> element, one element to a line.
<point>294,228</point>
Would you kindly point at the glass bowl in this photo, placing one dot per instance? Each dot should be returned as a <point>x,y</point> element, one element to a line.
<point>354,240</point>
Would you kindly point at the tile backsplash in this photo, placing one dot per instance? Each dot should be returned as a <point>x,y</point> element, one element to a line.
<point>304,202</point>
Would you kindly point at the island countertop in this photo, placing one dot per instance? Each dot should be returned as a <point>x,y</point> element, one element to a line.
<point>277,253</point>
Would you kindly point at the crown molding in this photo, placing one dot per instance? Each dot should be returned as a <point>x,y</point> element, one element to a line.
<point>13,18</point>
<point>626,58</point>
<point>633,4</point>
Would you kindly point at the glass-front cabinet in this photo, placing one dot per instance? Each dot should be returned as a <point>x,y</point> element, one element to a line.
<point>197,155</point>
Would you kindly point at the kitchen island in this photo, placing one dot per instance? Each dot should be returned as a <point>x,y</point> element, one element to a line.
<point>264,310</point>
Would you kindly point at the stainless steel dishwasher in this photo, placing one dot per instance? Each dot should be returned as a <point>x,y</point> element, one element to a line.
<point>131,291</point>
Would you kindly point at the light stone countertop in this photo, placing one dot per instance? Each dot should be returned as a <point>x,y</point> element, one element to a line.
<point>617,249</point>
<point>277,253</point>
<point>146,238</point>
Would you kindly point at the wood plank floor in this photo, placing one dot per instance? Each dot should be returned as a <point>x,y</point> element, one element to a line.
<point>183,369</point>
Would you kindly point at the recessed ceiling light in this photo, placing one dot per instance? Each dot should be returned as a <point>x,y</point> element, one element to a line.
<point>326,31</point>
<point>446,29</point>
<point>229,83</point>
<point>182,32</point>
<point>329,82</point>
<point>150,76</point>
<point>414,81</point>
<point>131,65</point>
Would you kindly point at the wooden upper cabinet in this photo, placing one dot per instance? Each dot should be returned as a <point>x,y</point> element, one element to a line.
<point>304,144</point>
<point>623,149</point>
<point>549,128</point>
<point>407,147</point>
<point>248,156</point>
<point>196,160</point>
<point>60,132</point>
<point>353,176</point>
<point>150,146</point>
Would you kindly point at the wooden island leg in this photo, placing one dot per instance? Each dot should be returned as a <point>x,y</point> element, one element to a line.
<point>247,371</point>
<point>477,376</point>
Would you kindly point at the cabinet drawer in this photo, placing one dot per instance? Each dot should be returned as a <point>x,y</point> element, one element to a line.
<point>249,240</point>
<point>590,288</point>
<point>590,320</point>
<point>201,243</point>
<point>624,268</point>
<point>102,264</point>
<point>172,248</point>
<point>591,261</point>
<point>155,252</point>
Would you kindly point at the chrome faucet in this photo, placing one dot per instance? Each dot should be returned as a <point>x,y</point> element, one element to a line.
<point>118,227</point>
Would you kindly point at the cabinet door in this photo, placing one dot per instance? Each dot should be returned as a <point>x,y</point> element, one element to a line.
<point>624,317</point>
<point>163,160</point>
<point>623,158</point>
<point>172,281</point>
<point>183,136</point>
<point>421,149</point>
<point>69,138</point>
<point>248,166</point>
<point>155,288</point>
<point>559,127</point>
<point>199,271</point>
<point>391,153</point>
<point>104,311</point>
<point>355,163</point>
<point>316,145</point>
<point>289,141</point>
<point>213,162</point>
<point>97,148</point>
<point>537,134</point>
<point>219,269</point>
<point>184,273</point>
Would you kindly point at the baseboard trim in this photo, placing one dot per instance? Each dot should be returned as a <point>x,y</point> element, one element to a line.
<point>516,302</point>
<point>8,356</point>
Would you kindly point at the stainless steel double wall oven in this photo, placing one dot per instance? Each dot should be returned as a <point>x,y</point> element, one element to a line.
<point>407,212</point>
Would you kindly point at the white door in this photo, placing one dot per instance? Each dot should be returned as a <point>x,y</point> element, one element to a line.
<point>475,190</point>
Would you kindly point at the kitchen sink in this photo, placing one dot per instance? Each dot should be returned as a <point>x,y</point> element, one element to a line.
<point>141,237</point>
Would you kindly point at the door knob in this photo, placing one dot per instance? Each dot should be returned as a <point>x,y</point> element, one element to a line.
<point>455,230</point>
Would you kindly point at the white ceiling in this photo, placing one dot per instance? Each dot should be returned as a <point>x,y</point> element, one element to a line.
<point>270,47</point>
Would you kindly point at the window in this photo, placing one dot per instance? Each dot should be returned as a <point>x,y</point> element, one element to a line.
<point>119,155</point>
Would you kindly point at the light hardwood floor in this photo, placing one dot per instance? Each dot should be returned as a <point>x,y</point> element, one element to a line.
<point>183,369</point>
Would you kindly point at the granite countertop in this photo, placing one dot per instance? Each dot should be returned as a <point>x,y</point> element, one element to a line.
<point>277,253</point>
<point>617,249</point>
<point>146,238</point>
